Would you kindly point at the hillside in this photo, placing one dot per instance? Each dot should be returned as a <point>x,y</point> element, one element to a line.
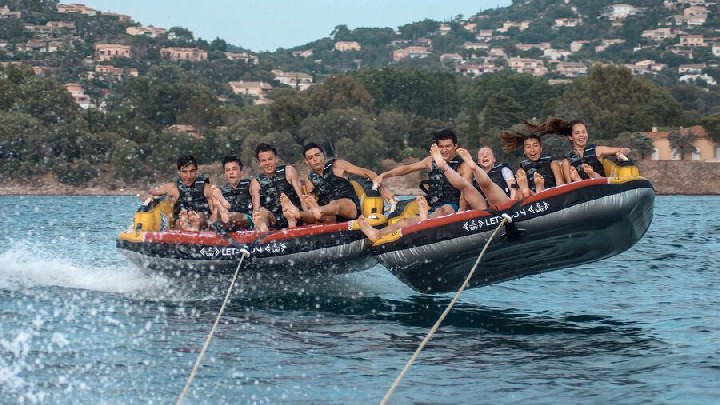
<point>101,98</point>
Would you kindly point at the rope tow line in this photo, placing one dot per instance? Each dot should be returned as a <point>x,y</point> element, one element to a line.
<point>506,219</point>
<point>245,253</point>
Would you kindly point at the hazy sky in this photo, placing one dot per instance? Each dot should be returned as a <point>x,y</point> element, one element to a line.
<point>267,25</point>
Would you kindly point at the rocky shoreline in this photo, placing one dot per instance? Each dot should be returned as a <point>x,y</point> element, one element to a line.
<point>668,178</point>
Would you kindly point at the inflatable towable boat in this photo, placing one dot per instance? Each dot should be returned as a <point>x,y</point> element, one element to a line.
<point>561,227</point>
<point>302,251</point>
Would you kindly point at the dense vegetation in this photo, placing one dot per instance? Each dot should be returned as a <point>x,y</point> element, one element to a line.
<point>369,114</point>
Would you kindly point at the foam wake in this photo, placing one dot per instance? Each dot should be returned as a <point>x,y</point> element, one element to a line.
<point>21,267</point>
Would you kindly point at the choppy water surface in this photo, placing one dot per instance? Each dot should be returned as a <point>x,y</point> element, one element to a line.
<point>80,324</point>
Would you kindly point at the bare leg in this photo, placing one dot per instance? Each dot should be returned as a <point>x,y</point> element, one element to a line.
<point>375,234</point>
<point>473,197</point>
<point>220,204</point>
<point>574,176</point>
<point>592,174</point>
<point>493,192</point>
<point>291,212</point>
<point>262,219</point>
<point>423,207</point>
<point>313,207</point>
<point>539,182</point>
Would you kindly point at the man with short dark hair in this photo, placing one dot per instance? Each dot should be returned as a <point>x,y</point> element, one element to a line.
<point>336,197</point>
<point>191,194</point>
<point>442,197</point>
<point>268,186</point>
<point>231,203</point>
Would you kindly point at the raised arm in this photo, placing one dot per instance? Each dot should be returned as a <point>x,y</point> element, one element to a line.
<point>255,195</point>
<point>342,167</point>
<point>425,164</point>
<point>292,177</point>
<point>603,151</point>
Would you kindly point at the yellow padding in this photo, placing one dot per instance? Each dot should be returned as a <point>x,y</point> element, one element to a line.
<point>373,220</point>
<point>613,169</point>
<point>391,237</point>
<point>359,190</point>
<point>132,236</point>
<point>373,206</point>
<point>159,218</point>
<point>620,180</point>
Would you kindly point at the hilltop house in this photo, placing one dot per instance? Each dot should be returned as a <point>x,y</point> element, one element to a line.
<point>150,32</point>
<point>344,46</point>
<point>535,67</point>
<point>183,54</point>
<point>412,52</point>
<point>296,80</point>
<point>109,51</point>
<point>75,8</point>
<point>243,56</point>
<point>77,92</point>
<point>6,13</point>
<point>256,90</point>
<point>705,148</point>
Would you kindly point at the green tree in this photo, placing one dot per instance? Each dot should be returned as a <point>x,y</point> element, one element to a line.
<point>642,145</point>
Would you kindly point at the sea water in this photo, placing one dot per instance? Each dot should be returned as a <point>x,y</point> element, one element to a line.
<point>80,324</point>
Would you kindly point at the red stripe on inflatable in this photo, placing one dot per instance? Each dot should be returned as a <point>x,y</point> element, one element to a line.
<point>473,214</point>
<point>304,231</point>
<point>187,238</point>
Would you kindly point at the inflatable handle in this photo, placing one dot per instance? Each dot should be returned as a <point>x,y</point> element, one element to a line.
<point>507,217</point>
<point>393,206</point>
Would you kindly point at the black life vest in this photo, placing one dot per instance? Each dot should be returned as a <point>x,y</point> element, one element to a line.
<point>440,191</point>
<point>192,198</point>
<point>238,197</point>
<point>589,157</point>
<point>542,165</point>
<point>496,176</point>
<point>270,189</point>
<point>329,187</point>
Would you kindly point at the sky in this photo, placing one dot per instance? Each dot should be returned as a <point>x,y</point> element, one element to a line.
<point>268,25</point>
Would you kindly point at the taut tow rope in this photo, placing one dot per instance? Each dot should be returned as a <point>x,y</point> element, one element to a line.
<point>184,392</point>
<point>506,219</point>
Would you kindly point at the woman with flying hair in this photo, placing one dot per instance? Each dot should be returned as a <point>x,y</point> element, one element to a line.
<point>537,172</point>
<point>584,159</point>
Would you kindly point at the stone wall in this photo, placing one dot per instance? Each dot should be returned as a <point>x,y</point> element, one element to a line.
<point>683,177</point>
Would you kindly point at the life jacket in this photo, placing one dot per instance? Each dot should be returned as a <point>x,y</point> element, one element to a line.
<point>439,190</point>
<point>270,189</point>
<point>541,165</point>
<point>589,157</point>
<point>496,176</point>
<point>192,198</point>
<point>330,187</point>
<point>238,197</point>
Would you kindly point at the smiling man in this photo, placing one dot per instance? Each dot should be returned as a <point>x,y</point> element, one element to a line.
<point>191,194</point>
<point>336,197</point>
<point>442,197</point>
<point>269,186</point>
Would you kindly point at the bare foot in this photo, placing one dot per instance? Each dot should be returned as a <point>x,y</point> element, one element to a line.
<point>437,157</point>
<point>467,158</point>
<point>371,233</point>
<point>182,220</point>
<point>313,207</point>
<point>423,207</point>
<point>522,181</point>
<point>219,197</point>
<point>290,211</point>
<point>589,171</point>
<point>574,176</point>
<point>539,181</point>
<point>191,223</point>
